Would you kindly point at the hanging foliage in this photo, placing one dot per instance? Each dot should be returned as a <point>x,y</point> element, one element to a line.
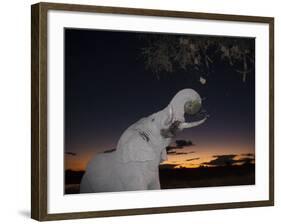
<point>167,53</point>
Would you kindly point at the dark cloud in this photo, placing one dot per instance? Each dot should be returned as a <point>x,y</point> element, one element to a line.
<point>228,160</point>
<point>71,153</point>
<point>248,154</point>
<point>188,160</point>
<point>221,160</point>
<point>246,160</point>
<point>179,144</point>
<point>181,153</point>
<point>174,152</point>
<point>109,150</point>
<point>170,149</point>
<point>168,166</point>
<point>183,143</point>
<point>190,152</point>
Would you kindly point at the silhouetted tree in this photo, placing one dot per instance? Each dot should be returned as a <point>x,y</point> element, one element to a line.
<point>167,53</point>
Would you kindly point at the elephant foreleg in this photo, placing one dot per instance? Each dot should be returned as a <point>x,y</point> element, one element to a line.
<point>85,186</point>
<point>155,185</point>
<point>135,184</point>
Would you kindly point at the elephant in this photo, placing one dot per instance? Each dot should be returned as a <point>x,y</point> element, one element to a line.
<point>134,165</point>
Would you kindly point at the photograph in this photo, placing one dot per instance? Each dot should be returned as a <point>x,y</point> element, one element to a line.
<point>157,111</point>
<point>143,111</point>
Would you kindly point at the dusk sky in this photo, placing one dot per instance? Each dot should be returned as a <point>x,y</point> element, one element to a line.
<point>107,88</point>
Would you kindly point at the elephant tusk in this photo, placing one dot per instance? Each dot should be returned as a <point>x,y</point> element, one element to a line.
<point>191,124</point>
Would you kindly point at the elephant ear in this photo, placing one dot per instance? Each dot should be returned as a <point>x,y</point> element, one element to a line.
<point>137,149</point>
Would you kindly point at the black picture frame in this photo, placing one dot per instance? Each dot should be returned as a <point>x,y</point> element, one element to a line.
<point>39,37</point>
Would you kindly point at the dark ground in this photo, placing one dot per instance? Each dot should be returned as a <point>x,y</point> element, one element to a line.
<point>185,177</point>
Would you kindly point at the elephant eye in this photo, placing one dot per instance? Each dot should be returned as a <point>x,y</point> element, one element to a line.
<point>144,136</point>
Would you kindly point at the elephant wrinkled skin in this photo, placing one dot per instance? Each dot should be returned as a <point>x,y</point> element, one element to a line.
<point>141,148</point>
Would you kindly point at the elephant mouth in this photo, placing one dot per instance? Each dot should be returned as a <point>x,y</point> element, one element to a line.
<point>194,115</point>
<point>200,115</point>
<point>193,120</point>
<point>171,131</point>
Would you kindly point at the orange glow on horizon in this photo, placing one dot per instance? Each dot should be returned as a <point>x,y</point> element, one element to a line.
<point>198,156</point>
<point>204,154</point>
<point>78,162</point>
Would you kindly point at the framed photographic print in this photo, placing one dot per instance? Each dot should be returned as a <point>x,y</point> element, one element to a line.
<point>138,111</point>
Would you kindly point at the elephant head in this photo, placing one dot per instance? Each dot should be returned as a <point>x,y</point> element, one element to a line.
<point>148,138</point>
<point>185,102</point>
